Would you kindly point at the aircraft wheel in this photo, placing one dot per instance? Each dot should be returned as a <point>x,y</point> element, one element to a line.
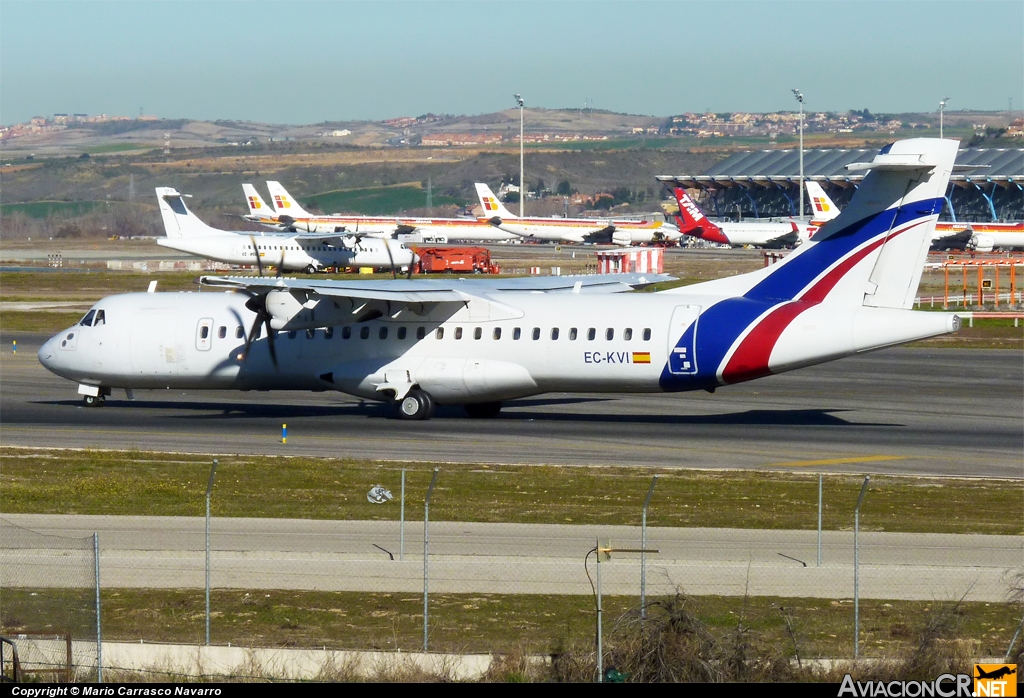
<point>310,269</point>
<point>94,400</point>
<point>483,410</point>
<point>416,405</point>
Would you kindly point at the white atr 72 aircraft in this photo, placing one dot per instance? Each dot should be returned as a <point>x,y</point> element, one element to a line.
<point>286,251</point>
<point>848,290</point>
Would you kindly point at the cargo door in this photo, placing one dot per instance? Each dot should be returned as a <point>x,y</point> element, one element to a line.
<point>682,340</point>
<point>153,350</point>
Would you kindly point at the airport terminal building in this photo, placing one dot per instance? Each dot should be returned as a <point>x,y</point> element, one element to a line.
<point>988,184</point>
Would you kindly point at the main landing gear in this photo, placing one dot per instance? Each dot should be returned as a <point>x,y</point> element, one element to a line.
<point>417,404</point>
<point>94,400</point>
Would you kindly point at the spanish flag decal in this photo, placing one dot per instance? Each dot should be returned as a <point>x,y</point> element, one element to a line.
<point>641,357</point>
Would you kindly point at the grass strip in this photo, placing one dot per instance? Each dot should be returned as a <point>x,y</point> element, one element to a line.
<point>472,623</point>
<point>58,481</point>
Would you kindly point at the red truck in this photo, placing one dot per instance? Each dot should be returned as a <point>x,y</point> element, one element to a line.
<point>455,260</point>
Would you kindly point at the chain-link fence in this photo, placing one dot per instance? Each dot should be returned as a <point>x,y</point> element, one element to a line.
<point>48,602</point>
<point>523,576</point>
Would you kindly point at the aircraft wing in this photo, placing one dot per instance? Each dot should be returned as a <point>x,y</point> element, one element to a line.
<point>785,240</point>
<point>438,290</point>
<point>602,236</point>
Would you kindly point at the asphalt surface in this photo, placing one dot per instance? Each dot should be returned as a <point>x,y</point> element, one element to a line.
<point>945,412</point>
<point>167,552</point>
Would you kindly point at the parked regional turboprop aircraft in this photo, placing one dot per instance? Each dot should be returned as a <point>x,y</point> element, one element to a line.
<point>624,232</point>
<point>287,214</point>
<point>286,251</point>
<point>692,221</point>
<point>848,290</point>
<point>949,235</point>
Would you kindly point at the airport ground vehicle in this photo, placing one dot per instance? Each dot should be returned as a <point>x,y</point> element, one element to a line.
<point>455,260</point>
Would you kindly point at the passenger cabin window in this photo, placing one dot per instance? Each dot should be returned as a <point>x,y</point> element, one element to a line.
<point>382,333</point>
<point>517,333</point>
<point>609,334</point>
<point>291,334</point>
<point>87,320</point>
<point>101,319</point>
<point>497,333</point>
<point>310,333</point>
<point>328,332</point>
<point>346,332</point>
<point>591,334</point>
<point>627,334</point>
<point>421,332</point>
<point>401,332</point>
<point>440,333</point>
<point>458,333</point>
<point>572,334</point>
<point>204,332</point>
<point>239,332</point>
<point>478,332</point>
<point>647,334</point>
<point>222,332</point>
<point>554,333</point>
<point>364,332</point>
<point>536,333</point>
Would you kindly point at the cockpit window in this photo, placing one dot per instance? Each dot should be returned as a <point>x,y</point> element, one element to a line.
<point>87,320</point>
<point>101,318</point>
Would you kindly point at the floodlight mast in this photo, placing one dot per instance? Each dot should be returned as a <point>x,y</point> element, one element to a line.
<point>522,191</point>
<point>800,192</point>
<point>942,108</point>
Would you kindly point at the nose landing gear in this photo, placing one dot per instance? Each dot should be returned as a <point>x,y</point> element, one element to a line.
<point>416,405</point>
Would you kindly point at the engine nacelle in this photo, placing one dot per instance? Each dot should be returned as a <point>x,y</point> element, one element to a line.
<point>622,238</point>
<point>982,243</point>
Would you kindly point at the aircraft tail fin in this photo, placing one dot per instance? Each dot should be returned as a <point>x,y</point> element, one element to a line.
<point>258,209</point>
<point>179,222</point>
<point>491,204</point>
<point>821,204</point>
<point>284,203</point>
<point>692,220</point>
<point>873,252</point>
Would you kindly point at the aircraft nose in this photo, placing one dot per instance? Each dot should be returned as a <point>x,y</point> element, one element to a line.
<point>48,353</point>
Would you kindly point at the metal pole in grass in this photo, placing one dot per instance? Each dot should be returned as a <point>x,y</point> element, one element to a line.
<point>99,627</point>
<point>426,552</point>
<point>856,568</point>
<point>819,519</point>
<point>643,555</point>
<point>209,489</point>
<point>401,516</point>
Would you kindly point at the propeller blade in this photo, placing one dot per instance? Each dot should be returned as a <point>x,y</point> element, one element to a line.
<point>270,338</point>
<point>256,251</point>
<point>394,272</point>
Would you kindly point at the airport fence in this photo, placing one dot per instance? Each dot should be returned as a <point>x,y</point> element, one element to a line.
<point>530,577</point>
<point>49,603</point>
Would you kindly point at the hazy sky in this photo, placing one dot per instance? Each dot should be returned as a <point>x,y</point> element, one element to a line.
<point>305,62</point>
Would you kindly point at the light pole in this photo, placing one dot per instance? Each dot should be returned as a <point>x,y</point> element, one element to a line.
<point>800,98</point>
<point>942,107</point>
<point>522,184</point>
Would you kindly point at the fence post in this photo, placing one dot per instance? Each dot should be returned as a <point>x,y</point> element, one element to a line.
<point>856,568</point>
<point>819,519</point>
<point>426,552</point>
<point>209,489</point>
<point>401,527</point>
<point>99,627</point>
<point>643,549</point>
